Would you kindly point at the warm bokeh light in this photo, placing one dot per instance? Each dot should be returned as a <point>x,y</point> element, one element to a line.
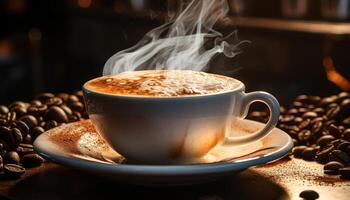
<point>119,7</point>
<point>6,47</point>
<point>34,35</point>
<point>84,3</point>
<point>334,76</point>
<point>16,6</point>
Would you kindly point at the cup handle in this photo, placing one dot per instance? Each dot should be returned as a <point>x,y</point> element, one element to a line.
<point>246,100</point>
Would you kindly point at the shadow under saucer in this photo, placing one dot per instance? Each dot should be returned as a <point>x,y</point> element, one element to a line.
<point>57,182</point>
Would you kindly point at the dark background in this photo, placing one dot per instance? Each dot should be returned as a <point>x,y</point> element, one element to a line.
<point>58,45</point>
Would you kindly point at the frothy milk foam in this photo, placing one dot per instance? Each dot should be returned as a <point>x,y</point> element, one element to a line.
<point>163,83</point>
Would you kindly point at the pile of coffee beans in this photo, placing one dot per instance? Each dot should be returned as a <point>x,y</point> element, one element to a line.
<point>22,122</point>
<point>320,128</point>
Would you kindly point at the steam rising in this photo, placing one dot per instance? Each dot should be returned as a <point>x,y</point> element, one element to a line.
<point>180,43</point>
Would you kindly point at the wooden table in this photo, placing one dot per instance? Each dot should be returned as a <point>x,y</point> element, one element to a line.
<point>284,179</point>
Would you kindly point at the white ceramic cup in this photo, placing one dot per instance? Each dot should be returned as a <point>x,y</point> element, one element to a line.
<point>174,129</point>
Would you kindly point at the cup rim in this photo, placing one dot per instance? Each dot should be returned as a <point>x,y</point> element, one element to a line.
<point>239,88</point>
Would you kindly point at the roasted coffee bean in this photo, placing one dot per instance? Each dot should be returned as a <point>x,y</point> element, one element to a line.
<point>15,138</point>
<point>317,119</point>
<point>28,139</point>
<point>316,147</point>
<point>50,124</point>
<point>77,106</point>
<point>314,100</point>
<point>24,151</point>
<point>323,155</point>
<point>337,142</point>
<point>303,109</point>
<point>11,157</point>
<point>304,124</point>
<point>2,148</point>
<point>26,145</point>
<point>298,120</point>
<point>32,160</point>
<point>343,146</point>
<point>297,151</point>
<point>317,127</point>
<point>73,118</point>
<point>342,96</point>
<point>310,115</point>
<point>63,96</point>
<point>324,140</point>
<point>19,110</point>
<point>282,109</point>
<point>30,120</point>
<point>3,110</point>
<point>333,165</point>
<point>44,96</point>
<point>256,115</point>
<point>37,110</point>
<point>17,104</point>
<point>334,130</point>
<point>292,130</point>
<point>11,116</point>
<point>346,134</point>
<point>302,98</point>
<point>329,122</point>
<point>22,127</point>
<point>36,103</point>
<point>304,135</point>
<point>13,170</point>
<point>319,111</point>
<point>293,111</point>
<point>309,153</point>
<point>309,195</point>
<point>297,104</point>
<point>80,95</point>
<point>333,112</point>
<point>66,109</point>
<point>328,100</point>
<point>1,163</point>
<point>344,172</point>
<point>77,114</point>
<point>36,131</point>
<point>345,104</point>
<point>310,107</point>
<point>71,99</point>
<point>57,114</point>
<point>54,101</point>
<point>332,105</point>
<point>339,156</point>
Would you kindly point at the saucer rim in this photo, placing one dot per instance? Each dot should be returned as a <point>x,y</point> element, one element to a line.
<point>152,170</point>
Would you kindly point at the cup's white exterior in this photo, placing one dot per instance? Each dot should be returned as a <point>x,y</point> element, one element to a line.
<point>158,129</point>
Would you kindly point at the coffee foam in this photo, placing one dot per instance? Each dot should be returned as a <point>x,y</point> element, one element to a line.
<point>164,83</point>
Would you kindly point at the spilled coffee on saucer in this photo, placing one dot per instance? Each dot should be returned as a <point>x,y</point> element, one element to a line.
<point>162,83</point>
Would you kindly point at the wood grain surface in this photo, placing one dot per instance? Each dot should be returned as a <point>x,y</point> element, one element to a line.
<point>284,179</point>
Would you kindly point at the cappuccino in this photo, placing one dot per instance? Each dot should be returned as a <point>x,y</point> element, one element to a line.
<point>162,83</point>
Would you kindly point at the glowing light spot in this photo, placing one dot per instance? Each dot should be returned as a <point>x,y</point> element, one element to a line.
<point>333,75</point>
<point>84,3</point>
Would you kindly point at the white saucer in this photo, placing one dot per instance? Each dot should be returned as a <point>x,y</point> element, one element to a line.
<point>79,146</point>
